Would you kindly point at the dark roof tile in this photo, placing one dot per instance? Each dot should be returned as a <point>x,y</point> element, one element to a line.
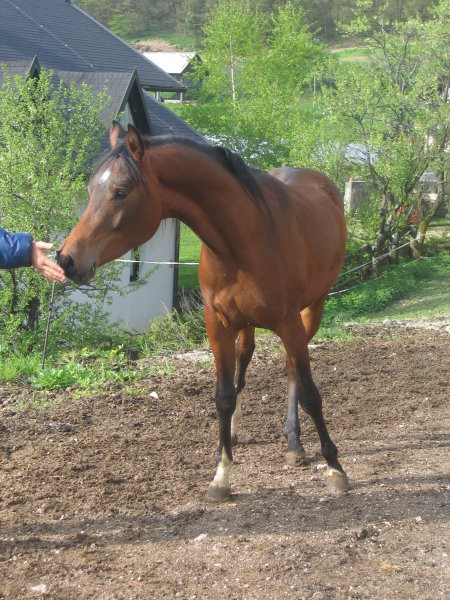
<point>164,122</point>
<point>65,37</point>
<point>22,67</point>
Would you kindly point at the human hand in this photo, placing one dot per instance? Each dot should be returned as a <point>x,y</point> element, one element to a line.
<point>46,267</point>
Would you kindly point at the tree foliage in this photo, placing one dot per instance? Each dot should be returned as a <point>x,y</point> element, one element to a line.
<point>255,70</point>
<point>397,108</point>
<point>49,135</point>
<point>276,95</point>
<point>134,18</point>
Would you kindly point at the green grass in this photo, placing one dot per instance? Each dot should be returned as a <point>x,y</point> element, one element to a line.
<point>87,370</point>
<point>189,252</point>
<point>413,289</point>
<point>356,54</point>
<point>16,366</point>
<point>426,300</point>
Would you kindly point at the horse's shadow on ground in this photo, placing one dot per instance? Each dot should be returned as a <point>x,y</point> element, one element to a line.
<point>259,512</point>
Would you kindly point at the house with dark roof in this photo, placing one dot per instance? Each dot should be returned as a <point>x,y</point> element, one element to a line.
<point>57,35</point>
<point>60,36</point>
<point>66,38</point>
<point>179,65</point>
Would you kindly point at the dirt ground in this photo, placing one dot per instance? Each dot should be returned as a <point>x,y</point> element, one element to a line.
<point>104,497</point>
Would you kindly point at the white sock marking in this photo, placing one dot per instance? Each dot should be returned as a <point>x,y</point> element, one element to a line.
<point>222,478</point>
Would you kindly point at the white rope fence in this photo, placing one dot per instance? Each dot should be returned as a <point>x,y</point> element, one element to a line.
<point>194,263</point>
<point>370,280</point>
<point>170,263</point>
<point>376,259</point>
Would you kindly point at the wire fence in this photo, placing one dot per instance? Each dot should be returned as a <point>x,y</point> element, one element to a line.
<point>372,262</point>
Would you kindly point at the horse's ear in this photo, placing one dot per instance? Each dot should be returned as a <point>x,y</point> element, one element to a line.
<point>115,133</point>
<point>135,143</point>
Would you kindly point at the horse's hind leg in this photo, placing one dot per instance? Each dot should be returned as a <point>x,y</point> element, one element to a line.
<point>222,341</point>
<point>311,317</point>
<point>303,390</point>
<point>245,349</point>
<point>295,454</point>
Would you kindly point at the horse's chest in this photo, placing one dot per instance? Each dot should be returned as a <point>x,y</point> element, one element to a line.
<point>238,306</point>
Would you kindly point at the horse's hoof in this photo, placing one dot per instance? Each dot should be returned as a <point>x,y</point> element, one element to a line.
<point>337,481</point>
<point>234,439</point>
<point>296,458</point>
<point>218,494</point>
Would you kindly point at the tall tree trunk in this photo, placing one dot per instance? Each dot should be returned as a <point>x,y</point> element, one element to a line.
<point>384,231</point>
<point>418,242</point>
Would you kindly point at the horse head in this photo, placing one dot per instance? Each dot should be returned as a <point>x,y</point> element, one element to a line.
<point>123,209</point>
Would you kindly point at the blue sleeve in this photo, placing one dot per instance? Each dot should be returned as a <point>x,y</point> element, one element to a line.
<point>15,249</point>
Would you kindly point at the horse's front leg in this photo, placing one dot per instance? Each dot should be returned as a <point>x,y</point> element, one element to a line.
<point>222,342</point>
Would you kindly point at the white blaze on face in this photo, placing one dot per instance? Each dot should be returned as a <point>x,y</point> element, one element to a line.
<point>105,176</point>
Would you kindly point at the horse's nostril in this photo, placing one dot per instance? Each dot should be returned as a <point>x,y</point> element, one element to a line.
<point>69,264</point>
<point>66,262</point>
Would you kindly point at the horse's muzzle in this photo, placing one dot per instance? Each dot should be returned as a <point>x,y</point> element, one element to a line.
<point>67,263</point>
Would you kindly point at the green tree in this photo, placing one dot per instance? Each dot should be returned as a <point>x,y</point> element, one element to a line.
<point>49,135</point>
<point>233,38</point>
<point>437,94</point>
<point>136,17</point>
<point>395,108</point>
<point>282,79</point>
<point>255,74</point>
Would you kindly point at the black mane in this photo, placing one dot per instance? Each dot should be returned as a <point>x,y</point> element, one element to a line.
<point>225,157</point>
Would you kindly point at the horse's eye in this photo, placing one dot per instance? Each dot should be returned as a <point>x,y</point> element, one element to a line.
<point>120,194</point>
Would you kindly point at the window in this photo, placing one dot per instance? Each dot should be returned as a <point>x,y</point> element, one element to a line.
<point>134,271</point>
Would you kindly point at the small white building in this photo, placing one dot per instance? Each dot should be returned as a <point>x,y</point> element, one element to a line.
<point>157,296</point>
<point>178,65</point>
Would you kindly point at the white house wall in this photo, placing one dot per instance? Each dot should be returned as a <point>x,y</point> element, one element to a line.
<point>153,299</point>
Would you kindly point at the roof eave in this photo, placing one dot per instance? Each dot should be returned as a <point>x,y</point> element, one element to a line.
<point>158,88</point>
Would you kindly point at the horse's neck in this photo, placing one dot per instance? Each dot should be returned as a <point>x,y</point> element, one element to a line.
<point>203,195</point>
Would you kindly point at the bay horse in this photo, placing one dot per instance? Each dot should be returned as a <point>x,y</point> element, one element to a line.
<point>273,244</point>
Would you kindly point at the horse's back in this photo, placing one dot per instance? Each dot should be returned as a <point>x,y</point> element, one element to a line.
<point>308,215</point>
<point>312,200</point>
<point>305,182</point>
